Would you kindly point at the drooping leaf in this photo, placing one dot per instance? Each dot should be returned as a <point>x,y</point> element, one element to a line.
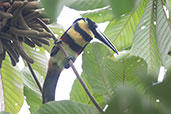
<point>66,107</point>
<point>31,91</point>
<point>121,31</point>
<point>85,4</point>
<point>163,30</point>
<point>11,88</point>
<point>40,59</point>
<point>78,94</point>
<point>92,67</point>
<point>145,42</point>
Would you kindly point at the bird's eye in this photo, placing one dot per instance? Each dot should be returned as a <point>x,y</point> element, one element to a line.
<point>91,23</point>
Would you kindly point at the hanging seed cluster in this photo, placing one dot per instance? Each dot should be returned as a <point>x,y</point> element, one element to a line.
<point>18,25</point>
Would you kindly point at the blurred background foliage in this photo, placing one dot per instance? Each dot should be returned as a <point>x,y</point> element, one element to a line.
<point>122,84</point>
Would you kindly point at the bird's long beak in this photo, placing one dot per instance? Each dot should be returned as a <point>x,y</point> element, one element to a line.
<point>99,35</point>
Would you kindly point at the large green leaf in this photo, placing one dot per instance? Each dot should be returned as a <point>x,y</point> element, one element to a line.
<point>40,59</point>
<point>11,88</point>
<point>121,31</point>
<point>78,94</point>
<point>66,107</point>
<point>101,67</point>
<point>85,4</point>
<point>100,16</point>
<point>31,91</point>
<point>123,69</point>
<point>145,42</point>
<point>92,67</point>
<point>163,30</point>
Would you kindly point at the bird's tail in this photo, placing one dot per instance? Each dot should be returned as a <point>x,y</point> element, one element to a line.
<point>50,83</point>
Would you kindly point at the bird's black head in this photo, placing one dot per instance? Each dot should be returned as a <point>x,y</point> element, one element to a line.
<point>98,34</point>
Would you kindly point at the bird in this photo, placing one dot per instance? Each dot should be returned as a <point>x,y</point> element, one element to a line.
<point>74,40</point>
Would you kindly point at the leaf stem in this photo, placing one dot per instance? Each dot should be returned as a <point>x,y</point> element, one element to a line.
<point>34,76</point>
<point>73,67</point>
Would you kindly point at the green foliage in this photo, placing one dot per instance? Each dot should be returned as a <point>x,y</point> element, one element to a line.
<point>120,7</point>
<point>78,94</point>
<point>31,91</point>
<point>85,4</point>
<point>40,60</point>
<point>146,32</point>
<point>52,9</point>
<point>92,67</point>
<point>139,29</point>
<point>11,92</point>
<point>66,107</point>
<point>4,113</point>
<point>163,28</point>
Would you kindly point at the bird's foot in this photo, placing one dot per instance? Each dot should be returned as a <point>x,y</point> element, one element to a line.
<point>57,41</point>
<point>67,59</point>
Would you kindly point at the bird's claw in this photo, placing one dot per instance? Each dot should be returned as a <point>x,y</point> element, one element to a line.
<point>57,41</point>
<point>67,59</point>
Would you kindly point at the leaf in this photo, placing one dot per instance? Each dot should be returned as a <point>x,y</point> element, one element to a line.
<point>52,8</point>
<point>168,5</point>
<point>100,66</point>
<point>78,94</point>
<point>125,69</point>
<point>66,107</point>
<point>31,91</point>
<point>85,4</point>
<point>161,90</point>
<point>163,30</point>
<point>92,66</point>
<point>121,31</point>
<point>11,87</point>
<point>4,113</point>
<point>40,59</point>
<point>100,16</point>
<point>120,7</point>
<point>145,43</point>
<point>130,101</point>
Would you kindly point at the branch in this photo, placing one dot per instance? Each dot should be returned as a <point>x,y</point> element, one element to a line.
<point>73,67</point>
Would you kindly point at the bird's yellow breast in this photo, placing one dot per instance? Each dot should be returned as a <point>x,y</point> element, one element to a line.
<point>76,36</point>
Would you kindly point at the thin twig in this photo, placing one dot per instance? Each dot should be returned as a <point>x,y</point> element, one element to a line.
<point>34,76</point>
<point>73,67</point>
